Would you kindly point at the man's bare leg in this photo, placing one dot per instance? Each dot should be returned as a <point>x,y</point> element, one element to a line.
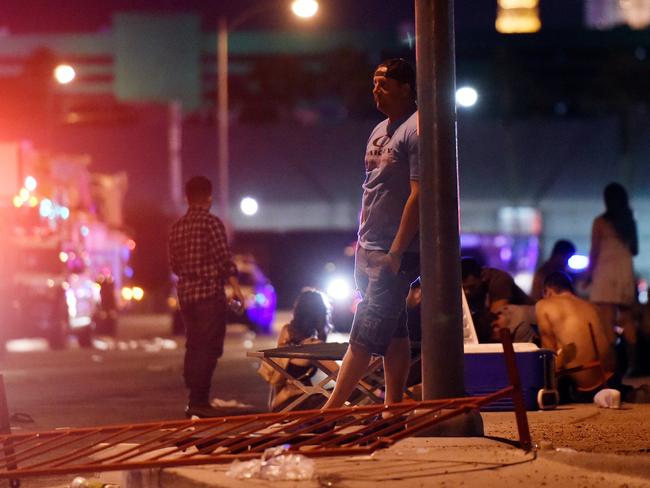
<point>354,366</point>
<point>397,362</point>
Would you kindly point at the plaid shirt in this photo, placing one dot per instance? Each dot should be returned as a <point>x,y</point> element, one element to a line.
<point>199,255</point>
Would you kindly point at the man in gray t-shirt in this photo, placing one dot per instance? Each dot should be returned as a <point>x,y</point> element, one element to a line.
<point>387,258</point>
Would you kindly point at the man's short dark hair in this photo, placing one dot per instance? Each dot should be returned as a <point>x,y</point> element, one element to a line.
<point>559,282</point>
<point>469,267</point>
<point>198,189</point>
<point>401,70</point>
<point>563,248</point>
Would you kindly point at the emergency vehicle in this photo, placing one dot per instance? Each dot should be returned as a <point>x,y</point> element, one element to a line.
<point>61,236</point>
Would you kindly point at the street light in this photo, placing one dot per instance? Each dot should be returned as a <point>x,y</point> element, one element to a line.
<point>304,8</point>
<point>64,74</point>
<point>301,8</point>
<point>466,96</point>
<point>248,206</point>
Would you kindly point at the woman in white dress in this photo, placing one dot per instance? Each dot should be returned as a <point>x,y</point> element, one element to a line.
<point>614,242</point>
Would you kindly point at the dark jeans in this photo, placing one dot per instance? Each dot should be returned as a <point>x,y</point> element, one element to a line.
<point>205,330</point>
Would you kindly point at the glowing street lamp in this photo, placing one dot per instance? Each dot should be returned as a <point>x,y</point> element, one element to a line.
<point>64,74</point>
<point>248,206</point>
<point>466,96</point>
<point>303,9</point>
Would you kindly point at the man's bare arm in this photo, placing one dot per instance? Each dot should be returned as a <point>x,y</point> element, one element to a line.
<point>408,227</point>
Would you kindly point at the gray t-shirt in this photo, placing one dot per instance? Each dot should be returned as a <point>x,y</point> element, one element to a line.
<point>391,163</point>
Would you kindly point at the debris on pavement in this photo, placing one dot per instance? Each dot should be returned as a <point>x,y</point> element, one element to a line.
<point>81,482</point>
<point>608,398</point>
<point>221,403</point>
<point>275,464</point>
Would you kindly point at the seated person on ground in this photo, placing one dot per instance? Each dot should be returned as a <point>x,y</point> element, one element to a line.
<point>564,321</point>
<point>495,301</point>
<point>310,325</point>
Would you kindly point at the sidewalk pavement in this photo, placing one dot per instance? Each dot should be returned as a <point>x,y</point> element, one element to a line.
<point>448,462</point>
<point>604,459</point>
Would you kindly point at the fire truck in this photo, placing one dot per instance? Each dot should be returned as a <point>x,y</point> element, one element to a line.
<point>62,237</point>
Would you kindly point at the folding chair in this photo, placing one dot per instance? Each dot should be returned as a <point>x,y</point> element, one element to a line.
<point>318,355</point>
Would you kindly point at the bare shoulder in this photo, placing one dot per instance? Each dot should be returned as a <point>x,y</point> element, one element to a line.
<point>283,336</point>
<point>586,306</point>
<point>543,305</point>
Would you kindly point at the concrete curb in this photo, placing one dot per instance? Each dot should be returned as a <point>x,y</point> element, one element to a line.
<point>629,465</point>
<point>459,462</point>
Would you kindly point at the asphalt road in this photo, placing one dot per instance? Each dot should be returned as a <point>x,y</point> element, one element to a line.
<point>134,378</point>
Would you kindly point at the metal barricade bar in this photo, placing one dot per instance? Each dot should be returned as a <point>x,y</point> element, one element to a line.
<point>354,430</point>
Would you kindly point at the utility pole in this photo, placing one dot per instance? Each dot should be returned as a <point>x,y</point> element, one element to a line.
<point>174,146</point>
<point>223,177</point>
<point>442,327</point>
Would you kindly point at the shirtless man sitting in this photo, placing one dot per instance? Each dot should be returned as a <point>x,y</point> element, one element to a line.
<point>564,321</point>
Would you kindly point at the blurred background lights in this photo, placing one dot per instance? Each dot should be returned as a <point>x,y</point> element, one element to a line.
<point>46,208</point>
<point>643,292</point>
<point>127,293</point>
<point>339,288</point>
<point>304,8</point>
<point>138,293</point>
<point>248,206</point>
<point>518,16</point>
<point>64,74</point>
<point>30,183</point>
<point>578,262</point>
<point>466,96</point>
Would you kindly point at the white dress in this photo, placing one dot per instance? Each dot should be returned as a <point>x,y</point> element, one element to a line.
<point>612,271</point>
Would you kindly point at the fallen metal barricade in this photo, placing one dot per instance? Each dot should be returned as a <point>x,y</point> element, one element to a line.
<point>313,433</point>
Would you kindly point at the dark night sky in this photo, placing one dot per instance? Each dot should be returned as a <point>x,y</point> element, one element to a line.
<point>47,16</point>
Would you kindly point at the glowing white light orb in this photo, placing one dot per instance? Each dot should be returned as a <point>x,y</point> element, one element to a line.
<point>46,207</point>
<point>466,96</point>
<point>138,293</point>
<point>30,183</point>
<point>578,262</point>
<point>64,74</point>
<point>304,8</point>
<point>339,289</point>
<point>249,206</point>
<point>127,293</point>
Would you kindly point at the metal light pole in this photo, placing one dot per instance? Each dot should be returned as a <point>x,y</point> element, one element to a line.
<point>223,124</point>
<point>442,328</point>
<point>62,74</point>
<point>301,8</point>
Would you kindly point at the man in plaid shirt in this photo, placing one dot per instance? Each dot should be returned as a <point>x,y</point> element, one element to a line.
<point>200,257</point>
